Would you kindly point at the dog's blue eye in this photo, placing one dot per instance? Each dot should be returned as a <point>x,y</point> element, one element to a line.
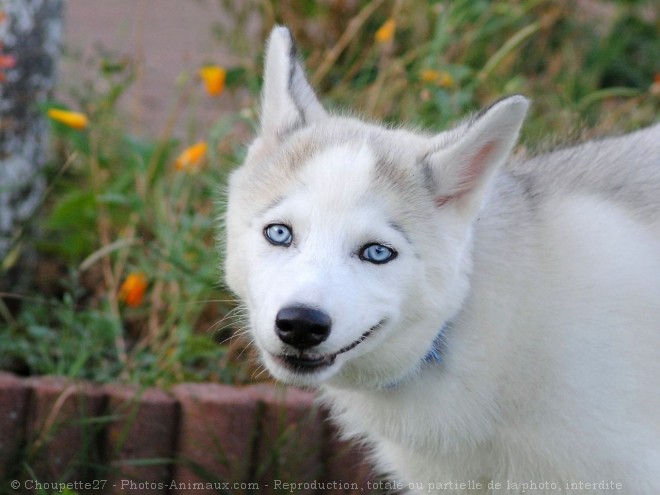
<point>278,234</point>
<point>377,253</point>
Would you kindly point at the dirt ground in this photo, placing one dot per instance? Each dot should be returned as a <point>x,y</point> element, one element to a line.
<point>168,37</point>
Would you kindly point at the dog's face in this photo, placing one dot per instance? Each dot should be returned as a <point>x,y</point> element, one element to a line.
<point>350,243</point>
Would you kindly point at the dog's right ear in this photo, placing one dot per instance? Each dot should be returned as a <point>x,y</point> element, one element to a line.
<point>460,163</point>
<point>288,101</point>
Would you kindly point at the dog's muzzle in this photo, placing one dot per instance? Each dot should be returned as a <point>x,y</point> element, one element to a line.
<point>303,328</point>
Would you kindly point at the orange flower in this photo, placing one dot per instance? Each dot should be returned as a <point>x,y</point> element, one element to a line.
<point>75,120</point>
<point>7,61</point>
<point>385,33</point>
<point>441,78</point>
<point>191,157</point>
<point>655,87</point>
<point>133,289</point>
<point>214,79</point>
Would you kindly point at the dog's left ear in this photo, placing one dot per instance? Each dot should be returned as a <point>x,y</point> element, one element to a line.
<point>460,163</point>
<point>288,101</point>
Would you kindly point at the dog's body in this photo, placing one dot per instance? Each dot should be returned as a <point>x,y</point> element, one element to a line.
<point>475,321</point>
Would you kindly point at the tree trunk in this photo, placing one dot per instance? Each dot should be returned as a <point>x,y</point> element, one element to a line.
<point>30,35</point>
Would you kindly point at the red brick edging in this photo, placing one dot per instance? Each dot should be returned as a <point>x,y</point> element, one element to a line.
<point>198,439</point>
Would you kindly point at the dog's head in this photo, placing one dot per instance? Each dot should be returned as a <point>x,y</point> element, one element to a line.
<point>349,243</point>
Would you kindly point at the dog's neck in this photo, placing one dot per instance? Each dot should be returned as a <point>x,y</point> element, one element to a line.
<point>433,357</point>
<point>438,347</point>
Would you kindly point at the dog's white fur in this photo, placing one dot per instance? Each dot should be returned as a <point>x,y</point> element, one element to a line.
<point>547,272</point>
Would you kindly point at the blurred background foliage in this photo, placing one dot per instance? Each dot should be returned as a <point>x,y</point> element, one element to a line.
<point>120,205</point>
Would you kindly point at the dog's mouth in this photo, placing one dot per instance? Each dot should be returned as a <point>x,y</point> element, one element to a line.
<point>309,362</point>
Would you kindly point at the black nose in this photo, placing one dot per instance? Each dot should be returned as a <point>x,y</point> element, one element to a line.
<point>302,327</point>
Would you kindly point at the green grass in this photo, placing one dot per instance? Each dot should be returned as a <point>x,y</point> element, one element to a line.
<point>116,204</point>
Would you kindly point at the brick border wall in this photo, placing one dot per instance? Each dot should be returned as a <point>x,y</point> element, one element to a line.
<point>73,430</point>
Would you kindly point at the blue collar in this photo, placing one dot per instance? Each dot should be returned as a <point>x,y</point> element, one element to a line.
<point>438,347</point>
<point>433,356</point>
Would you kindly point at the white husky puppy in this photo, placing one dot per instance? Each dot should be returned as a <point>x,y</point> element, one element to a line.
<point>486,325</point>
